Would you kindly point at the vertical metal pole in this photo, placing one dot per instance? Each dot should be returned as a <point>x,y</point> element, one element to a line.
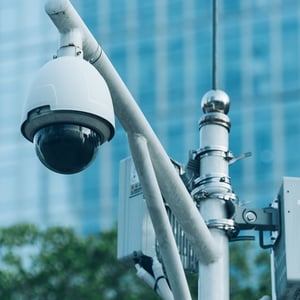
<point>213,190</point>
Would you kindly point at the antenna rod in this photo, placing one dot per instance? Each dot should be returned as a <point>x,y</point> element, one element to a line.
<point>215,45</point>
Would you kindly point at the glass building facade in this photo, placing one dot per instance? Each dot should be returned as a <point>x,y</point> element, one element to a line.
<point>162,50</point>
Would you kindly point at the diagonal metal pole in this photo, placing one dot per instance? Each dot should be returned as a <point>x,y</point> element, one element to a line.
<point>159,217</point>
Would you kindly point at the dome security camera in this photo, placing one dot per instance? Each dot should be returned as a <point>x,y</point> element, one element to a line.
<point>68,114</point>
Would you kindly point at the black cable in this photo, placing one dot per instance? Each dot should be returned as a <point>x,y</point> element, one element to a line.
<point>156,282</point>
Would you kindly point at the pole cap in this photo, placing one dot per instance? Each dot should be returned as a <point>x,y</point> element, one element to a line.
<point>215,101</point>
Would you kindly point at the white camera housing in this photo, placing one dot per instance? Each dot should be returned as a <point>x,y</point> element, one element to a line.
<point>68,91</point>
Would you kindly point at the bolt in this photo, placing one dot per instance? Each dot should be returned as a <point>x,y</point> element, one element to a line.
<point>250,216</point>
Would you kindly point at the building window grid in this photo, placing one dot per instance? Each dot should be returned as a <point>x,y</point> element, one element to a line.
<point>202,81</point>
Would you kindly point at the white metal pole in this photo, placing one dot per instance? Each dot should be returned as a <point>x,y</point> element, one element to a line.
<point>213,192</point>
<point>213,281</point>
<point>65,17</point>
<point>159,217</point>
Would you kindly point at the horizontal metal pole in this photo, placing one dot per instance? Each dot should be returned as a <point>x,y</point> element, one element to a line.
<point>65,17</point>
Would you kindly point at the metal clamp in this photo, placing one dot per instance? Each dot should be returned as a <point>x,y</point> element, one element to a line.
<point>215,118</point>
<point>222,224</point>
<point>203,191</point>
<point>214,151</point>
<point>213,177</point>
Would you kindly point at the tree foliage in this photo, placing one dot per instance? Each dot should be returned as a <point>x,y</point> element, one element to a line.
<point>57,263</point>
<point>250,276</point>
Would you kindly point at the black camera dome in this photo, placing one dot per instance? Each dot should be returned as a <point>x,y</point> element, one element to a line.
<point>68,114</point>
<point>66,148</point>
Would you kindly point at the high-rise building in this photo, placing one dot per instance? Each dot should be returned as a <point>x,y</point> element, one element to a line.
<point>162,50</point>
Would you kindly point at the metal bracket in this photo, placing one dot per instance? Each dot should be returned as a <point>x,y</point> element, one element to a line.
<point>237,158</point>
<point>191,172</point>
<point>262,219</point>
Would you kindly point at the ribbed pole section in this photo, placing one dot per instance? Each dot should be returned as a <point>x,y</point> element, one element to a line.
<point>212,192</point>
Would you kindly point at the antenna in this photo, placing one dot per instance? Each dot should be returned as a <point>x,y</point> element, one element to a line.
<point>215,50</point>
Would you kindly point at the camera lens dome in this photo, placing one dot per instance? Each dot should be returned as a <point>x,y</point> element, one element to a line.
<point>66,148</point>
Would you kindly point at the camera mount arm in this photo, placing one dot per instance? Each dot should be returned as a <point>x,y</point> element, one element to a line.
<point>65,17</point>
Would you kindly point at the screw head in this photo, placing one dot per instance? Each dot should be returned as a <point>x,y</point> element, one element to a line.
<point>250,216</point>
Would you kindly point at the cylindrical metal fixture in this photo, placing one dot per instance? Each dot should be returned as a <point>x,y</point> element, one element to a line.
<point>211,189</point>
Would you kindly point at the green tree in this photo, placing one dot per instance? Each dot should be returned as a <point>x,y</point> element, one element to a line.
<point>57,263</point>
<point>250,276</point>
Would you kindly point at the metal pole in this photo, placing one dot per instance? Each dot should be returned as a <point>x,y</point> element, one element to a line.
<point>159,217</point>
<point>66,19</point>
<point>213,192</point>
<point>213,283</point>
